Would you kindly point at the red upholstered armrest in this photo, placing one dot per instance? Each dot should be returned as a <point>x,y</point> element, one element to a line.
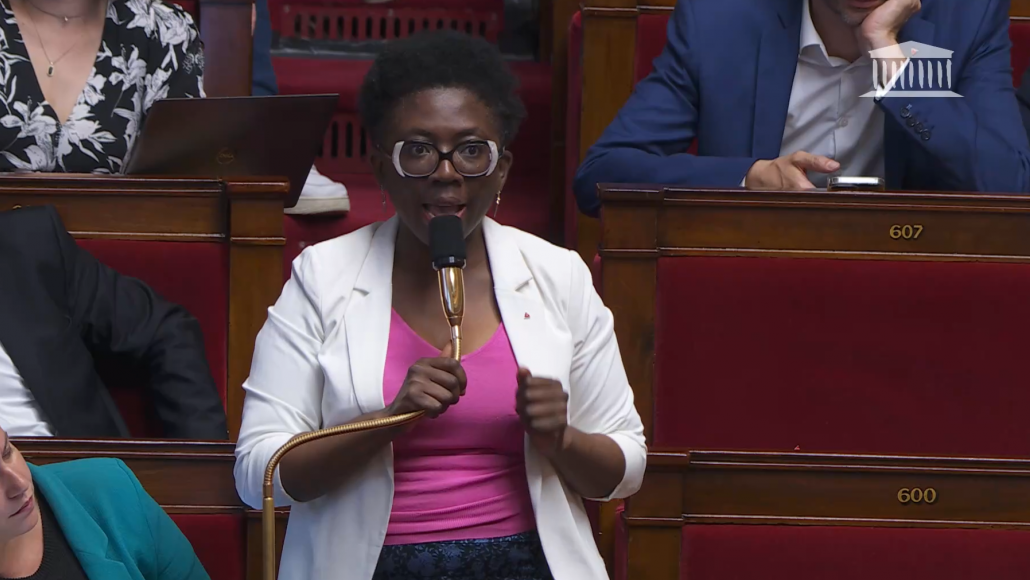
<point>842,356</point>
<point>219,541</point>
<point>193,275</point>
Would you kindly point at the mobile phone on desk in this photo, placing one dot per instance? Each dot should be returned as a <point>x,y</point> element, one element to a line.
<point>856,184</point>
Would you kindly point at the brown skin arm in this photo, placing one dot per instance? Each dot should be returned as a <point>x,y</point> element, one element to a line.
<point>592,464</point>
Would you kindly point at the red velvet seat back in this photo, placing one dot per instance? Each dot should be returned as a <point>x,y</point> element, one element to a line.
<point>852,553</point>
<point>842,356</point>
<point>219,540</point>
<point>193,275</point>
<point>1019,32</point>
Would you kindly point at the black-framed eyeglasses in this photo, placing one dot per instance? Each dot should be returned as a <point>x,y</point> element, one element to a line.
<point>421,158</point>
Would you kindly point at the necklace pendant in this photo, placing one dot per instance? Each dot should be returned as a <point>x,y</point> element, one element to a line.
<point>50,71</point>
<point>66,20</point>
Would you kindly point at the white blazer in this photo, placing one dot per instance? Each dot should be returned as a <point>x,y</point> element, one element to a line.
<point>319,362</point>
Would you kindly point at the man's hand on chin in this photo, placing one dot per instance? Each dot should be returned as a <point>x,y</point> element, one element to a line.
<point>881,28</point>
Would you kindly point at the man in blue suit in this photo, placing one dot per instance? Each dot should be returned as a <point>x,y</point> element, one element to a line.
<point>779,94</point>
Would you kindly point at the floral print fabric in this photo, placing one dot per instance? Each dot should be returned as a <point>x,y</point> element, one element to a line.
<point>150,50</point>
<point>518,557</point>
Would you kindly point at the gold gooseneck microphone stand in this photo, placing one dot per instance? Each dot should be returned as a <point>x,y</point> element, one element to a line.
<point>452,294</point>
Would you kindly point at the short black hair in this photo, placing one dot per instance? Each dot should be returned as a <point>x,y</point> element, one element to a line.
<point>440,59</point>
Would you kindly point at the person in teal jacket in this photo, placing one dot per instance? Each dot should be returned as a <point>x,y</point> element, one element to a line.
<point>86,519</point>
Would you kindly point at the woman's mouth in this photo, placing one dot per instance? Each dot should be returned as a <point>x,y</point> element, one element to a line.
<point>25,509</point>
<point>434,210</point>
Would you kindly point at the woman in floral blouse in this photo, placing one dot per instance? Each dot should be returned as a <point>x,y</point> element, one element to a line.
<point>77,78</point>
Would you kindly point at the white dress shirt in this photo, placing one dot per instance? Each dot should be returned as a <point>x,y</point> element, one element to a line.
<point>20,415</point>
<point>319,362</point>
<point>827,114</point>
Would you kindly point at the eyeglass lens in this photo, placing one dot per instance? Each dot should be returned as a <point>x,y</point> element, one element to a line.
<point>419,159</point>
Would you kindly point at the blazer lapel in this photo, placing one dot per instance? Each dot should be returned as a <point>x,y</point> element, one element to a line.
<point>367,319</point>
<point>518,299</point>
<point>895,157</point>
<point>84,535</point>
<point>777,63</point>
<point>523,315</point>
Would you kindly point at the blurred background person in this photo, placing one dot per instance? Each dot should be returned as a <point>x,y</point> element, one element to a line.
<point>86,519</point>
<point>78,77</point>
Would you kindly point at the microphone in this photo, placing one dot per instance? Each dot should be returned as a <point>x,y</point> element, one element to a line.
<point>447,248</point>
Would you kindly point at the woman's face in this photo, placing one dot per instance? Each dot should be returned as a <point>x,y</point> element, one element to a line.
<point>18,510</point>
<point>447,118</point>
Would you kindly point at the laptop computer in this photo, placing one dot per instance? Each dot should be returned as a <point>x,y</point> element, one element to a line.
<point>234,137</point>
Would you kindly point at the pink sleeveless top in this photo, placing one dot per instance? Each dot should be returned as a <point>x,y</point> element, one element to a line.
<point>461,476</point>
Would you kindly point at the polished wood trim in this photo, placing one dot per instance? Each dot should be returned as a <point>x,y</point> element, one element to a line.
<point>557,53</point>
<point>225,29</point>
<point>1020,8</point>
<point>254,562</point>
<point>191,475</point>
<point>750,488</point>
<point>255,253</point>
<point>665,10</point>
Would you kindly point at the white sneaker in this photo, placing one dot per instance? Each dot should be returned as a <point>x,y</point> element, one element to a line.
<point>321,195</point>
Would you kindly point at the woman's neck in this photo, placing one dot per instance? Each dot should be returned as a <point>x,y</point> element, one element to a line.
<point>22,556</point>
<point>69,9</point>
<point>412,258</point>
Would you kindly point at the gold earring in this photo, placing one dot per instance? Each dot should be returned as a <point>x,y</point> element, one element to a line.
<point>497,203</point>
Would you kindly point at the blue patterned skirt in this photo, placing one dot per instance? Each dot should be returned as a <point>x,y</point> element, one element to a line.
<point>518,557</point>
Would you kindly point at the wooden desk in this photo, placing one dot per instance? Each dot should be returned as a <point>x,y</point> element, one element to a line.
<point>642,225</point>
<point>245,214</point>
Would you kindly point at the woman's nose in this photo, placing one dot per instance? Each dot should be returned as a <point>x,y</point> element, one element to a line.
<point>446,172</point>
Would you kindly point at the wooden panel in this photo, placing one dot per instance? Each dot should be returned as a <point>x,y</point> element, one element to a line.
<point>188,475</point>
<point>560,16</point>
<point>822,490</point>
<point>251,292</point>
<point>1020,8</point>
<point>255,565</point>
<point>796,489</point>
<point>609,35</point>
<point>225,29</point>
<point>642,223</point>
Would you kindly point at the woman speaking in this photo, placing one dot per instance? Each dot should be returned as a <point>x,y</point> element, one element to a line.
<point>537,416</point>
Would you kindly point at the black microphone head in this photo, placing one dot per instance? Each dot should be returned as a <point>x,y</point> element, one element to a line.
<point>447,242</point>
